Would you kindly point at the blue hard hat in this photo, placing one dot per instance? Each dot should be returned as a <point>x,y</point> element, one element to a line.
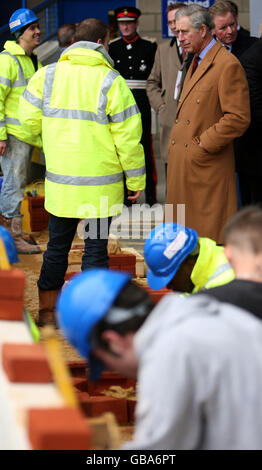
<point>82,303</point>
<point>165,249</point>
<point>9,244</point>
<point>20,18</point>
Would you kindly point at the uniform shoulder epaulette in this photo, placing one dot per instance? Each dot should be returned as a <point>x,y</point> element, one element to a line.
<point>149,39</point>
<point>114,40</point>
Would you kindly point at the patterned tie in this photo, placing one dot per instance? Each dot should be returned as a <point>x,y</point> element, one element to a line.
<point>195,64</point>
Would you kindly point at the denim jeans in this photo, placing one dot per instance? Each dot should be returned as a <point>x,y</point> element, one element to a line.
<point>61,234</point>
<point>15,164</point>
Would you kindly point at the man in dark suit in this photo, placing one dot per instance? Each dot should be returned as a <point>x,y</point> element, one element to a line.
<point>164,82</point>
<point>240,28</point>
<point>248,147</point>
<point>226,28</point>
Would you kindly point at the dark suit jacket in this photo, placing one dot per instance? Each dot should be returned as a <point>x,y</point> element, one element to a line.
<point>242,43</point>
<point>248,147</point>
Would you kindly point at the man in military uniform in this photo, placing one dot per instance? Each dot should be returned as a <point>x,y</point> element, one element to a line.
<point>134,58</point>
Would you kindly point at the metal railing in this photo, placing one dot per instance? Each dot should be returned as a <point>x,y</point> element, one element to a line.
<point>47,11</point>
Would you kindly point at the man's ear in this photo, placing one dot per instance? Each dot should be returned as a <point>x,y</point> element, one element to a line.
<point>228,252</point>
<point>99,41</point>
<point>203,30</point>
<point>115,341</point>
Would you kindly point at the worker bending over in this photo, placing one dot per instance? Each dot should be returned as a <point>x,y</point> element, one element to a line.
<point>182,261</point>
<point>198,361</point>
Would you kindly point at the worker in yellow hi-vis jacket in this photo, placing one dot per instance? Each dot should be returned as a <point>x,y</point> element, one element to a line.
<point>18,64</point>
<point>182,261</point>
<point>91,131</point>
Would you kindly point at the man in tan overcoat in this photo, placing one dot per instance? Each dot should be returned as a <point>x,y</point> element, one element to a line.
<point>212,111</point>
<point>161,83</point>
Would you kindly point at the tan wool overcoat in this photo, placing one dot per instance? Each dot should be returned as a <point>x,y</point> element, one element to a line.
<point>213,109</point>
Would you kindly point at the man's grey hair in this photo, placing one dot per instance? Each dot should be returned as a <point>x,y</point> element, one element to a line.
<point>197,16</point>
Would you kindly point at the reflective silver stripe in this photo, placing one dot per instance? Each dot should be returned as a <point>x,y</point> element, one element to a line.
<point>108,81</point>
<point>6,81</point>
<point>2,123</point>
<point>22,81</point>
<point>70,114</point>
<point>135,172</point>
<point>136,84</point>
<point>48,86</point>
<point>48,111</point>
<point>100,117</point>
<point>84,180</point>
<point>14,121</point>
<point>127,113</point>
<point>220,270</point>
<point>32,99</point>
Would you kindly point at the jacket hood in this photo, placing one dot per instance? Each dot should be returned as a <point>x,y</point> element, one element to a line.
<point>14,48</point>
<point>95,50</point>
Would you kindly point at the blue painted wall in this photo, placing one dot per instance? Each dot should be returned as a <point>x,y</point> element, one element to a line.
<point>73,11</point>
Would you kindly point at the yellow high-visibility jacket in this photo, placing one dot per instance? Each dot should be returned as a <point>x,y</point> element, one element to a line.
<point>16,69</point>
<point>91,130</point>
<point>212,268</point>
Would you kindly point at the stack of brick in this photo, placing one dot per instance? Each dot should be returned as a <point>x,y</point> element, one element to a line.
<point>35,216</point>
<point>47,427</point>
<point>93,400</point>
<point>12,285</point>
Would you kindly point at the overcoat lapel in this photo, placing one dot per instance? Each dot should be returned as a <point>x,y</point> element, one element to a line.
<point>190,82</point>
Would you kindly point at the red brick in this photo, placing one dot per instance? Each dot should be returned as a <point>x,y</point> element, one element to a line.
<point>69,275</point>
<point>123,262</point>
<point>96,406</point>
<point>26,363</point>
<point>131,406</point>
<point>80,386</point>
<point>12,285</point>
<point>58,429</point>
<point>106,380</point>
<point>156,295</point>
<point>39,217</point>
<point>77,368</point>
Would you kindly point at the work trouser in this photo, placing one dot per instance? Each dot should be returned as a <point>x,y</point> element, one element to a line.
<point>15,164</point>
<point>61,234</point>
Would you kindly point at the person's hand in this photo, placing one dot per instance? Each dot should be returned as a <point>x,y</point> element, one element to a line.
<point>133,196</point>
<point>3,144</point>
<point>162,106</point>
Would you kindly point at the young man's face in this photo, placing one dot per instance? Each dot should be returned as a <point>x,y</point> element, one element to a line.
<point>128,28</point>
<point>190,38</point>
<point>171,20</point>
<point>31,36</point>
<point>225,28</point>
<point>121,356</point>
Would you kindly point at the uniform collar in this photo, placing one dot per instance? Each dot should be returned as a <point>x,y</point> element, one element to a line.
<point>129,41</point>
